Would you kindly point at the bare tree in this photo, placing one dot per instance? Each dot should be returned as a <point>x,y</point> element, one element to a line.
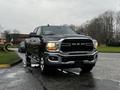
<point>7,35</point>
<point>100,28</point>
<point>117,26</point>
<point>1,28</point>
<point>15,31</point>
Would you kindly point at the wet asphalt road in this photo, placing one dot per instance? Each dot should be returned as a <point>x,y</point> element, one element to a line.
<point>104,76</point>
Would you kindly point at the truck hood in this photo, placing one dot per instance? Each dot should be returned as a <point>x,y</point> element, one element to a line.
<point>64,36</point>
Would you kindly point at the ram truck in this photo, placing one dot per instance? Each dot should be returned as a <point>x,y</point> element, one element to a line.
<point>61,47</point>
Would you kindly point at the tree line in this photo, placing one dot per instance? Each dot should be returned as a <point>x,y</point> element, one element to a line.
<point>105,28</point>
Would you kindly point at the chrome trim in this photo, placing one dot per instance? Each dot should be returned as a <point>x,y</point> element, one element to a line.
<point>59,62</point>
<point>52,61</point>
<point>89,62</point>
<point>76,52</point>
<point>69,62</point>
<point>79,54</point>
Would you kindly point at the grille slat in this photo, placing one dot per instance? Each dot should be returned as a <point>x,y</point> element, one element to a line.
<point>69,45</point>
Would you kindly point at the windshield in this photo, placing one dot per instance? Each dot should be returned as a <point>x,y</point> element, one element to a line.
<point>53,30</point>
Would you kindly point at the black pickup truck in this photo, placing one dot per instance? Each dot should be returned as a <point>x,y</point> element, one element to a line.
<point>60,47</point>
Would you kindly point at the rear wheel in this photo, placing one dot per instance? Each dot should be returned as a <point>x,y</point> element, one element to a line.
<point>28,60</point>
<point>87,67</point>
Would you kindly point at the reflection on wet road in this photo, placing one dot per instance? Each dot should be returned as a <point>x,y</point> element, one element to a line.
<point>58,80</point>
<point>105,76</point>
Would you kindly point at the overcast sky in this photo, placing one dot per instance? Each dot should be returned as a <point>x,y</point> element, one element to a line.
<point>25,15</point>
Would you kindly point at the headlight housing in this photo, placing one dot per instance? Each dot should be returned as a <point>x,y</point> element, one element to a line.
<point>95,43</point>
<point>52,46</point>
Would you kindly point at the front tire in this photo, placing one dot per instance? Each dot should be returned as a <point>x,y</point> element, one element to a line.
<point>28,60</point>
<point>87,67</point>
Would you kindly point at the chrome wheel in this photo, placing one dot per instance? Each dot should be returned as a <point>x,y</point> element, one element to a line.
<point>42,64</point>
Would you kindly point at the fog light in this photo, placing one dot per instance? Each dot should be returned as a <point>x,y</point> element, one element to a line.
<point>53,58</point>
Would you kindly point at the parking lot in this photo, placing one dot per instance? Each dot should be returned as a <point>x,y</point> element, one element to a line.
<point>104,76</point>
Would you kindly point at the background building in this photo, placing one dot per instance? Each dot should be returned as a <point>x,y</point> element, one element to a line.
<point>2,39</point>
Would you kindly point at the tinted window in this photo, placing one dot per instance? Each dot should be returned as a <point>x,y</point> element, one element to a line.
<point>51,30</point>
<point>39,31</point>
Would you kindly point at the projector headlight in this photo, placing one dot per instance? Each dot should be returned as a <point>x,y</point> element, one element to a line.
<point>95,43</point>
<point>52,46</point>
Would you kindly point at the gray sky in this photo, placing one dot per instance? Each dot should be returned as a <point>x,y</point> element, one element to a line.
<point>25,15</point>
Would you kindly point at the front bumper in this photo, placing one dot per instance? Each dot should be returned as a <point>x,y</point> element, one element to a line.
<point>61,59</point>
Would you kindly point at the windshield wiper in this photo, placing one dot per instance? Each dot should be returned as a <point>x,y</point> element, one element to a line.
<point>50,34</point>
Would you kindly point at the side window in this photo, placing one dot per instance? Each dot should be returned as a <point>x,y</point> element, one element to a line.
<point>39,31</point>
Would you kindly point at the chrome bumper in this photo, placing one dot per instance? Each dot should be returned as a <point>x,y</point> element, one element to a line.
<point>60,57</point>
<point>68,55</point>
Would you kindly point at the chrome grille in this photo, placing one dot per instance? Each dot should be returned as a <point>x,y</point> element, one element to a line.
<point>69,45</point>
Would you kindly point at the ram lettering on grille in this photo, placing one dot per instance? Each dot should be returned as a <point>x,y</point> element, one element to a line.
<point>76,45</point>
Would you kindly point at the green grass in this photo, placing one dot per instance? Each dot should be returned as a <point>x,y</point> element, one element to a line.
<point>13,46</point>
<point>108,49</point>
<point>8,57</point>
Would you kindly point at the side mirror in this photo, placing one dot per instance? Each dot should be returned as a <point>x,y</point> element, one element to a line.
<point>32,34</point>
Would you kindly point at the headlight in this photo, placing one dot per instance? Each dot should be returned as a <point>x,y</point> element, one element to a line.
<point>52,46</point>
<point>95,43</point>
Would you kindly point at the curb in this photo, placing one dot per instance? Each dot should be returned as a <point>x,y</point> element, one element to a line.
<point>15,63</point>
<point>4,65</point>
<point>10,65</point>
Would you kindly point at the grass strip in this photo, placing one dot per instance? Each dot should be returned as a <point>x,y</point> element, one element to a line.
<point>8,57</point>
<point>108,49</point>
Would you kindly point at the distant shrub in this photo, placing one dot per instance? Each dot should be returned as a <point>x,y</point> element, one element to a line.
<point>1,47</point>
<point>7,45</point>
<point>4,47</point>
<point>113,43</point>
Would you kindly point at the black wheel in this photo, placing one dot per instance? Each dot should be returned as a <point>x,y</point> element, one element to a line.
<point>28,60</point>
<point>87,68</point>
<point>43,66</point>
